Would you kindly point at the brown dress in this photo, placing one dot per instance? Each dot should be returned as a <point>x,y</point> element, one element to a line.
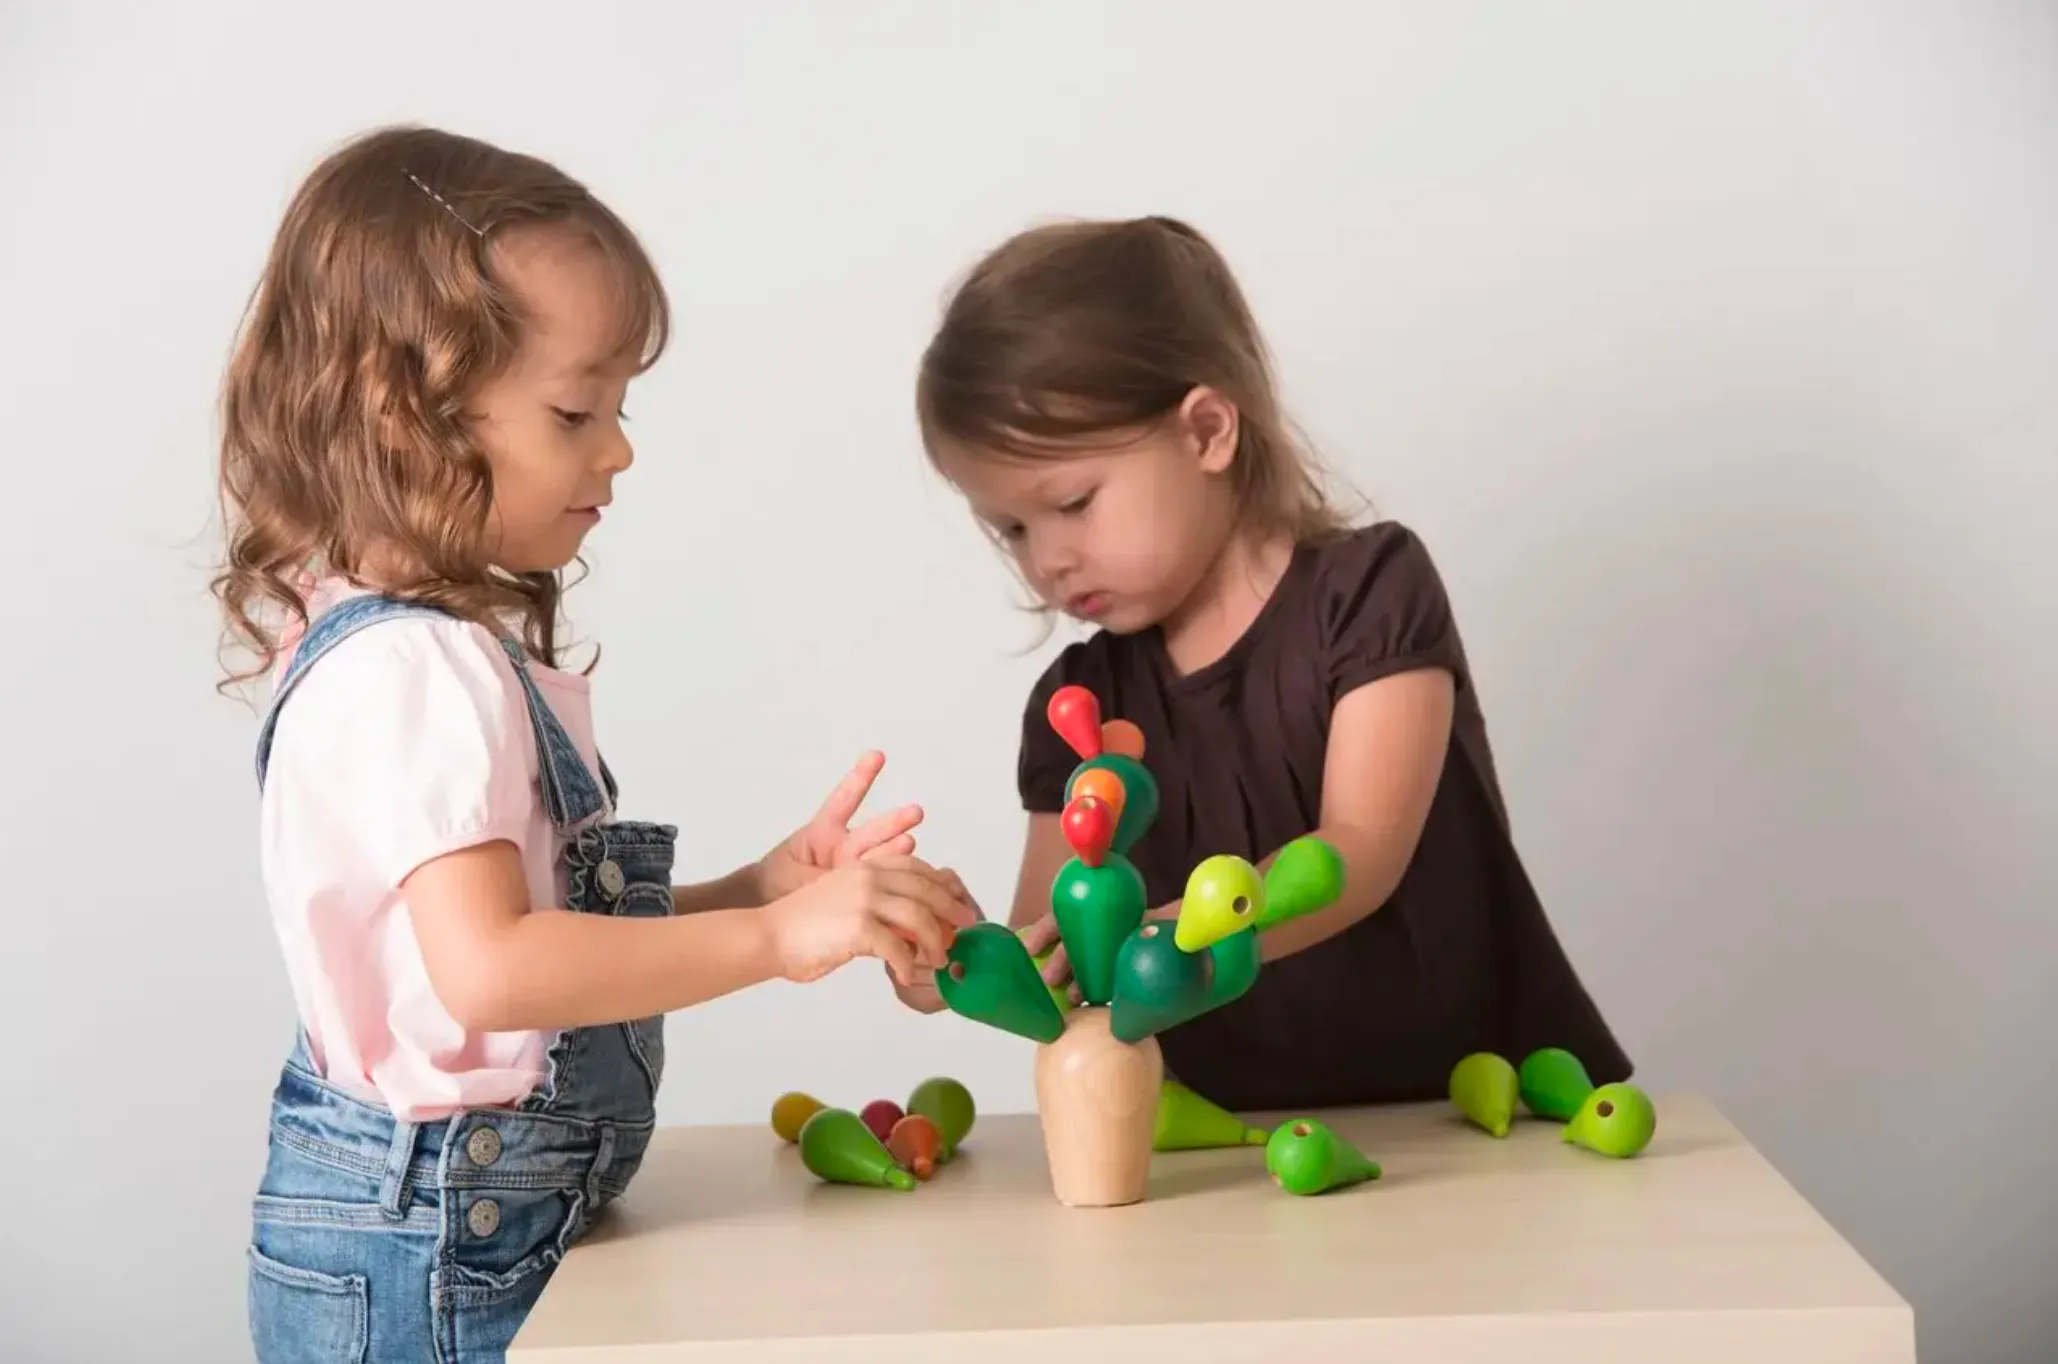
<point>1461,958</point>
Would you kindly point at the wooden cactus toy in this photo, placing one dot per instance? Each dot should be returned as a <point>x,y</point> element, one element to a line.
<point>1099,1072</point>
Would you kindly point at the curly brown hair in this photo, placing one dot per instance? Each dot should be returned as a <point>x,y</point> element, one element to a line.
<point>1072,330</point>
<point>378,316</point>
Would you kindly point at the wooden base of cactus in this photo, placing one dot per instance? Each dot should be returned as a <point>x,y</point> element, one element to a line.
<point>1097,1098</point>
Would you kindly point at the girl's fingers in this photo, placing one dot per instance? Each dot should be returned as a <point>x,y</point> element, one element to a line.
<point>892,949</point>
<point>913,920</point>
<point>1039,936</point>
<point>843,802</point>
<point>956,885</point>
<point>927,889</point>
<point>900,845</point>
<point>959,909</point>
<point>887,831</point>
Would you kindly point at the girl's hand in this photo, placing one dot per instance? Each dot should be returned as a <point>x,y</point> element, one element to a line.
<point>890,906</point>
<point>1041,934</point>
<point>827,841</point>
<point>921,994</point>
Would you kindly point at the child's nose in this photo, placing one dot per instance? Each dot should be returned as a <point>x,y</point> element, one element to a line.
<point>1053,556</point>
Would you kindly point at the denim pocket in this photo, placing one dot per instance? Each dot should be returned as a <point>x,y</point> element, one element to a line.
<point>505,1241</point>
<point>300,1316</point>
<point>646,1036</point>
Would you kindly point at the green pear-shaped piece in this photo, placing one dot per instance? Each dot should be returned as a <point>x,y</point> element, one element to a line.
<point>836,1146</point>
<point>1307,875</point>
<point>1234,971</point>
<point>1157,986</point>
<point>1188,1122</point>
<point>1097,908</point>
<point>1139,796</point>
<point>1306,1157</point>
<point>991,980</point>
<point>948,1104</point>
<point>1485,1087</point>
<point>1553,1083</point>
<point>1224,893</point>
<point>1059,995</point>
<point>1616,1120</point>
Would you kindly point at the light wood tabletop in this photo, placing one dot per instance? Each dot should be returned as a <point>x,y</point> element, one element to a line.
<point>1467,1249</point>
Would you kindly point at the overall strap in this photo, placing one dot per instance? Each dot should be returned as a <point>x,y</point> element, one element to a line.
<point>324,633</point>
<point>569,791</point>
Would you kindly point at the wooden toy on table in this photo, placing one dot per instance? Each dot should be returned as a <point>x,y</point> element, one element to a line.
<point>1101,1089</point>
<point>1307,1157</point>
<point>1615,1120</point>
<point>884,1145</point>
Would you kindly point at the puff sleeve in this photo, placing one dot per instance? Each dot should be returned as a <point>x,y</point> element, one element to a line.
<point>408,741</point>
<point>1382,609</point>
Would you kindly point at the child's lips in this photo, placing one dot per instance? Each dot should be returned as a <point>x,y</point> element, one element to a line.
<point>1087,604</point>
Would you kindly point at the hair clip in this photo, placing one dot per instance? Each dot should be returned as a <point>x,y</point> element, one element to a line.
<point>418,184</point>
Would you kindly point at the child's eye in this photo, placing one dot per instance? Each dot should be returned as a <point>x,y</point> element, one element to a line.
<point>573,420</point>
<point>1077,504</point>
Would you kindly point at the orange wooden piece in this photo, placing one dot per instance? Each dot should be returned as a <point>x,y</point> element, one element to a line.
<point>916,1143</point>
<point>1098,781</point>
<point>1123,737</point>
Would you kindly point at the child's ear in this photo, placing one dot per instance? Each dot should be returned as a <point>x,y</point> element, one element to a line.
<point>1211,423</point>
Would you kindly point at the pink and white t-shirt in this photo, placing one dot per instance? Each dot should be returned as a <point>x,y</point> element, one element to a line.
<point>408,740</point>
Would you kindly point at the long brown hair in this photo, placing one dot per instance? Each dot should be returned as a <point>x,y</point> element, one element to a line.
<point>377,317</point>
<point>1070,330</point>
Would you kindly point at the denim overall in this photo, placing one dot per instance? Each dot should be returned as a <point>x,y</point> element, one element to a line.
<point>380,1240</point>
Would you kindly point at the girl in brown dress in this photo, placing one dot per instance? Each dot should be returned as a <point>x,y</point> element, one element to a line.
<point>1101,396</point>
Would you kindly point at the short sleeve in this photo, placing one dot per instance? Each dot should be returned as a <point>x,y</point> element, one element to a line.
<point>1381,609</point>
<point>407,741</point>
<point>1046,762</point>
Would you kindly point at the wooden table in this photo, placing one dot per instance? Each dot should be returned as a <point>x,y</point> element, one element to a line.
<point>1469,1249</point>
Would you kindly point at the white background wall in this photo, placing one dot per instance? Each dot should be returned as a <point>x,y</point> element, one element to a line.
<point>1712,347</point>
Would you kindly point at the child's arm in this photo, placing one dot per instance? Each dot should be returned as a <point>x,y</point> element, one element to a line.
<point>743,888</point>
<point>1387,744</point>
<point>1042,856</point>
<point>498,965</point>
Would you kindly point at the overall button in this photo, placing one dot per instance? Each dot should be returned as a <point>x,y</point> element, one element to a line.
<point>611,878</point>
<point>484,1217</point>
<point>483,1146</point>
